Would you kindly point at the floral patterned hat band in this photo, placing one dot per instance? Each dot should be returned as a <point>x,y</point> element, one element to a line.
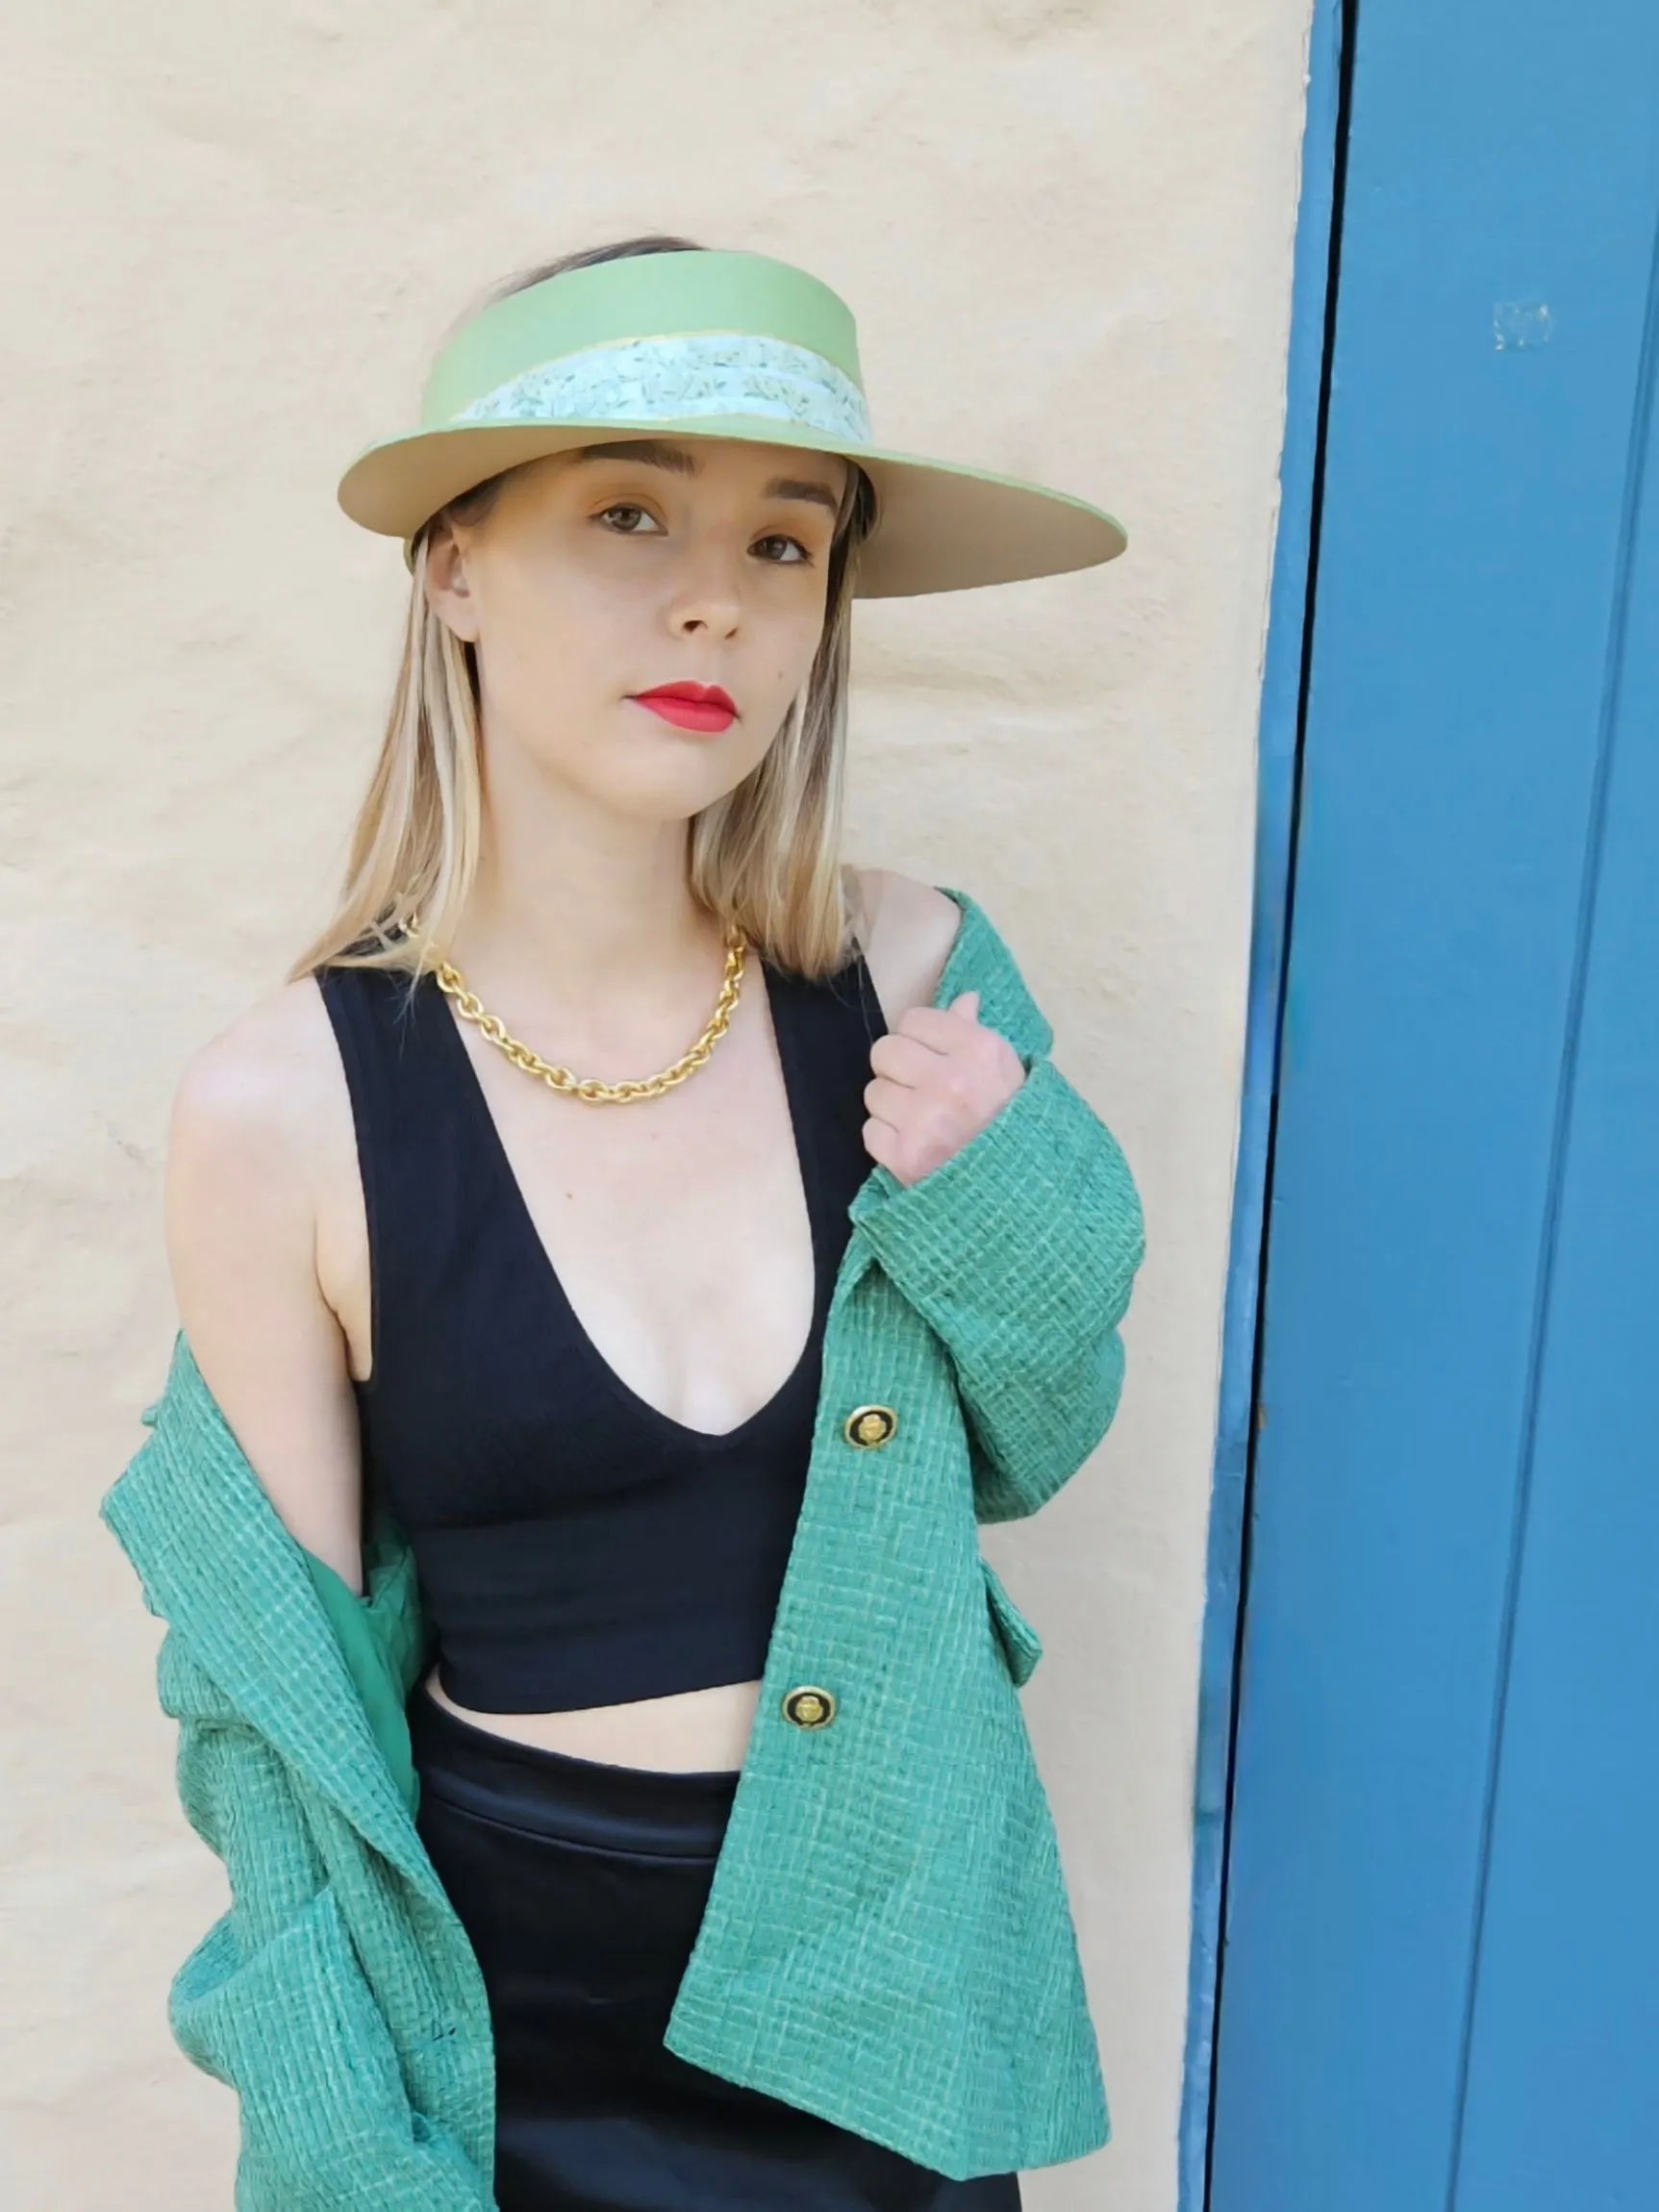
<point>706,345</point>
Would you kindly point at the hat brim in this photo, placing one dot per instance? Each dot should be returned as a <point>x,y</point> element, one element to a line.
<point>941,526</point>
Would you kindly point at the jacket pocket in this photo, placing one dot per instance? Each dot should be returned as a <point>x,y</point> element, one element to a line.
<point>1020,1643</point>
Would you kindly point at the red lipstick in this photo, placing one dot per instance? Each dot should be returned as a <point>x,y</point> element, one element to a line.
<point>690,706</point>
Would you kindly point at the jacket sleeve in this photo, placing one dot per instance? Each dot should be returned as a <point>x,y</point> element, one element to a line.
<point>273,2003</point>
<point>1020,1251</point>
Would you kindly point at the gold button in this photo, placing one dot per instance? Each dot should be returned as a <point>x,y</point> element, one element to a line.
<point>810,1707</point>
<point>869,1425</point>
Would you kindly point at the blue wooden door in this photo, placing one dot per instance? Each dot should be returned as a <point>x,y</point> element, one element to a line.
<point>1440,1979</point>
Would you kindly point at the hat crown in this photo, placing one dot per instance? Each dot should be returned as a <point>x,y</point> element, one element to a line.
<point>697,342</point>
<point>643,301</point>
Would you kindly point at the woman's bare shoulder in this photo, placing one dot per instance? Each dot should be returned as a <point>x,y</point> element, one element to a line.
<point>261,1123</point>
<point>907,930</point>
<point>267,1084</point>
<point>261,1130</point>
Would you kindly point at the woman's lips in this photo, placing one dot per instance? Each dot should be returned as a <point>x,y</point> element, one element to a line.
<point>705,714</point>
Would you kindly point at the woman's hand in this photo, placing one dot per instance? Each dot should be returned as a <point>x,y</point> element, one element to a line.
<point>941,1075</point>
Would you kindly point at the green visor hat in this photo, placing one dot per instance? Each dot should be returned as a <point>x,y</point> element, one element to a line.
<point>706,344</point>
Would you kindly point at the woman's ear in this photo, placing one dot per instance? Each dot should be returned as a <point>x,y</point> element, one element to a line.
<point>448,593</point>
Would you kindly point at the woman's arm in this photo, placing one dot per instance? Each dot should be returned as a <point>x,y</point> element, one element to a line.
<point>265,1235</point>
<point>1004,1211</point>
<point>1020,1252</point>
<point>260,1173</point>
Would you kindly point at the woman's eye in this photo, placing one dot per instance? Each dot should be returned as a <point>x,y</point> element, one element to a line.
<point>623,507</point>
<point>776,538</point>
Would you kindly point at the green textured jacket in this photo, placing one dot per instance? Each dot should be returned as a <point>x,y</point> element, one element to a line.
<point>888,1939</point>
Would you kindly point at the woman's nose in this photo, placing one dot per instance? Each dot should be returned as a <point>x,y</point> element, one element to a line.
<point>708,592</point>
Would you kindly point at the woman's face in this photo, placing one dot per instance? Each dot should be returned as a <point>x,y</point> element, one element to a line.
<point>604,574</point>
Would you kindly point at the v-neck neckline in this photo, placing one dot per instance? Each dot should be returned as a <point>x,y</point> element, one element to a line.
<point>777,989</point>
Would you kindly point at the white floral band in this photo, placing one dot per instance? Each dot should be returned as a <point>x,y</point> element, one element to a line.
<point>667,379</point>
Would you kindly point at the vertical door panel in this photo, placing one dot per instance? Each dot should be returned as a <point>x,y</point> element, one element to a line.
<point>1564,2051</point>
<point>1501,194</point>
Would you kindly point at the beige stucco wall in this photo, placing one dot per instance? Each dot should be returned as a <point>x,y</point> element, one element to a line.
<point>233,232</point>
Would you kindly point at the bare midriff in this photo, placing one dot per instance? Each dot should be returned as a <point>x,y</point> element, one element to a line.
<point>694,1731</point>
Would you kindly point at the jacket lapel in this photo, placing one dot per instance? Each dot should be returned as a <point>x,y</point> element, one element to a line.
<point>218,1564</point>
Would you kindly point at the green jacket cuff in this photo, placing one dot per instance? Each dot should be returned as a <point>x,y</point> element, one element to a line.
<point>1034,1225</point>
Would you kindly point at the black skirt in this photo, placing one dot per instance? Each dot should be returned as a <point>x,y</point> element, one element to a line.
<point>582,1886</point>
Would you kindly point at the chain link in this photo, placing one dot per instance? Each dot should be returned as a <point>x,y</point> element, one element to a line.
<point>588,1088</point>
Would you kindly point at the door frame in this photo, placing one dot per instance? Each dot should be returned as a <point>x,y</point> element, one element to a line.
<point>1280,731</point>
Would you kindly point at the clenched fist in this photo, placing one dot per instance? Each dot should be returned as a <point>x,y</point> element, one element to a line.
<point>939,1077</point>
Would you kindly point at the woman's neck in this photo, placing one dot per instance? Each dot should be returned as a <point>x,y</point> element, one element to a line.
<point>578,913</point>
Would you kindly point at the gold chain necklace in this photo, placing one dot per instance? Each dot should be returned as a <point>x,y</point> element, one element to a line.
<point>589,1088</point>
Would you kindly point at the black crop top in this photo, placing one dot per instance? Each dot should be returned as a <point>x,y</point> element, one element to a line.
<point>575,1546</point>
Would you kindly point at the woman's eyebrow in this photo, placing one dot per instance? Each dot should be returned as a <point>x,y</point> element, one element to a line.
<point>801,487</point>
<point>657,453</point>
<point>655,450</point>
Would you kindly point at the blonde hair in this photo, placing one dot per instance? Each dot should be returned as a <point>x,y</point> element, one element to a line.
<point>766,856</point>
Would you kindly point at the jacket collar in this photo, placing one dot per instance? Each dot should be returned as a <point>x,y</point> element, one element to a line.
<point>219,1565</point>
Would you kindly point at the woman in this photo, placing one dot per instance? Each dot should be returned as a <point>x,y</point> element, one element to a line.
<point>634,1251</point>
